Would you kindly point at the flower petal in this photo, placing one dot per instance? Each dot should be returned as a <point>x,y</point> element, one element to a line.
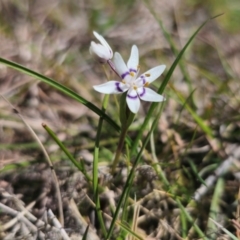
<point>149,95</point>
<point>121,67</point>
<point>99,50</point>
<point>153,73</point>
<point>133,101</point>
<point>102,40</point>
<point>133,60</point>
<point>111,87</point>
<point>139,82</point>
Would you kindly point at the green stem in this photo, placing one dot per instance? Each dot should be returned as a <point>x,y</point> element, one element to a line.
<point>119,149</point>
<point>96,148</point>
<point>126,119</point>
<point>95,168</point>
<point>128,184</point>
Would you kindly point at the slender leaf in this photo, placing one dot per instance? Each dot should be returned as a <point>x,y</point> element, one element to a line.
<point>215,209</point>
<point>190,219</point>
<point>172,45</point>
<point>69,155</point>
<point>162,87</point>
<point>198,119</point>
<point>129,181</point>
<point>95,168</point>
<point>85,233</point>
<point>61,88</point>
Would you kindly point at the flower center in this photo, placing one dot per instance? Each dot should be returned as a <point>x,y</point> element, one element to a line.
<point>135,87</point>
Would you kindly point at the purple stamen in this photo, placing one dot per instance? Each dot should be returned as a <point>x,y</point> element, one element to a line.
<point>118,87</point>
<point>124,75</point>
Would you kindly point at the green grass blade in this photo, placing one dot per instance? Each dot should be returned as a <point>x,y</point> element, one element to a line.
<point>95,168</point>
<point>195,171</point>
<point>129,181</point>
<point>189,218</point>
<point>162,87</point>
<point>198,119</point>
<point>85,233</point>
<point>215,208</point>
<point>69,155</point>
<point>171,70</point>
<point>129,231</point>
<point>172,45</point>
<point>183,225</point>
<point>61,88</point>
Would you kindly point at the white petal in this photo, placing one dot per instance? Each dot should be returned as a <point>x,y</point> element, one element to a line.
<point>149,95</point>
<point>153,73</point>
<point>133,60</point>
<point>99,50</point>
<point>139,82</point>
<point>111,87</point>
<point>104,43</point>
<point>133,101</point>
<point>121,67</point>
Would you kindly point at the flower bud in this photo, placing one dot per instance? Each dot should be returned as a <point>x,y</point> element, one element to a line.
<point>101,50</point>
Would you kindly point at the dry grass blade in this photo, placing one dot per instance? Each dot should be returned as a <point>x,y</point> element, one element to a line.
<point>60,207</point>
<point>81,222</point>
<point>238,214</point>
<point>222,169</point>
<point>19,216</point>
<point>224,229</point>
<point>25,210</point>
<point>135,218</point>
<point>58,225</point>
<point>237,226</point>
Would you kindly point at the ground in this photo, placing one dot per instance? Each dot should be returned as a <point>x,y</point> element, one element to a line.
<point>187,179</point>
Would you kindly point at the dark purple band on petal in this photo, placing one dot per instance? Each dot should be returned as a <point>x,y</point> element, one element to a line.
<point>143,79</point>
<point>132,97</point>
<point>143,92</point>
<point>124,75</point>
<point>132,70</point>
<point>118,87</point>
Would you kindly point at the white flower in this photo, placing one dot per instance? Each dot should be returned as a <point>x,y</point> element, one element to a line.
<point>136,87</point>
<point>102,49</point>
